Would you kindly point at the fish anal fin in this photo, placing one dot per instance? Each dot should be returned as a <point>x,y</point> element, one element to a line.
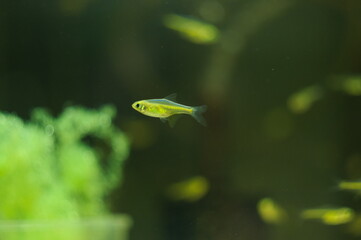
<point>172,97</point>
<point>163,120</point>
<point>173,119</point>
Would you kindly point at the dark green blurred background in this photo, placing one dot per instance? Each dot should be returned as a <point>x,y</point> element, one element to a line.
<point>257,144</point>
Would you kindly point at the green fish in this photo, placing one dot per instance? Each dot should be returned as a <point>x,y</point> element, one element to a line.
<point>166,109</point>
<point>330,216</point>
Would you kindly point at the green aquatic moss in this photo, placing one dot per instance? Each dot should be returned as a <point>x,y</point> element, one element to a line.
<point>59,168</point>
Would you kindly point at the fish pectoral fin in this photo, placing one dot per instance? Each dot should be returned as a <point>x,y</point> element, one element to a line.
<point>172,97</point>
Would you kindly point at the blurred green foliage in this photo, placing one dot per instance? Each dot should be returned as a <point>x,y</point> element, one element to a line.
<point>50,170</point>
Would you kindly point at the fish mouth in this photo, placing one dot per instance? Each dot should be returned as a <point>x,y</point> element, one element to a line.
<point>135,106</point>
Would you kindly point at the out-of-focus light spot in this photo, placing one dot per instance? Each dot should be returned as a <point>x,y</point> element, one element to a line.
<point>73,7</point>
<point>212,11</point>
<point>189,190</point>
<point>193,30</point>
<point>330,216</point>
<point>278,124</point>
<point>270,211</point>
<point>302,101</point>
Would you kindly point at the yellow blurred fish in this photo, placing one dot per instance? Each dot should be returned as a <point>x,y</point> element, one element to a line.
<point>350,185</point>
<point>300,102</point>
<point>190,190</point>
<point>270,211</point>
<point>329,216</point>
<point>194,30</point>
<point>167,110</point>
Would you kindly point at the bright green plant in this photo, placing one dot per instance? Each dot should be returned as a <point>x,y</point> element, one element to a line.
<point>59,168</point>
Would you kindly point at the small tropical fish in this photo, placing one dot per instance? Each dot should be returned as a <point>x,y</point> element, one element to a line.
<point>190,190</point>
<point>329,216</point>
<point>271,212</point>
<point>191,29</point>
<point>349,84</point>
<point>300,102</point>
<point>350,185</point>
<point>167,110</point>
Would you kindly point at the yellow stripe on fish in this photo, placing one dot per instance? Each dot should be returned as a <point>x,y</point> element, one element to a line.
<point>165,109</point>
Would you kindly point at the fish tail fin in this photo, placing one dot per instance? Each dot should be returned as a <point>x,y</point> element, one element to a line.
<point>197,114</point>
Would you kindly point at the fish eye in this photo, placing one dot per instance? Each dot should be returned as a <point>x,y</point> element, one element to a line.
<point>137,105</point>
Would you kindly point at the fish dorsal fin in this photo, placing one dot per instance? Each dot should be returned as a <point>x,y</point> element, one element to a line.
<point>172,97</point>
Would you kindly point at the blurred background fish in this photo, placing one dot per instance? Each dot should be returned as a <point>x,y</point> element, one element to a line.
<point>271,212</point>
<point>350,185</point>
<point>194,30</point>
<point>329,216</point>
<point>192,189</point>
